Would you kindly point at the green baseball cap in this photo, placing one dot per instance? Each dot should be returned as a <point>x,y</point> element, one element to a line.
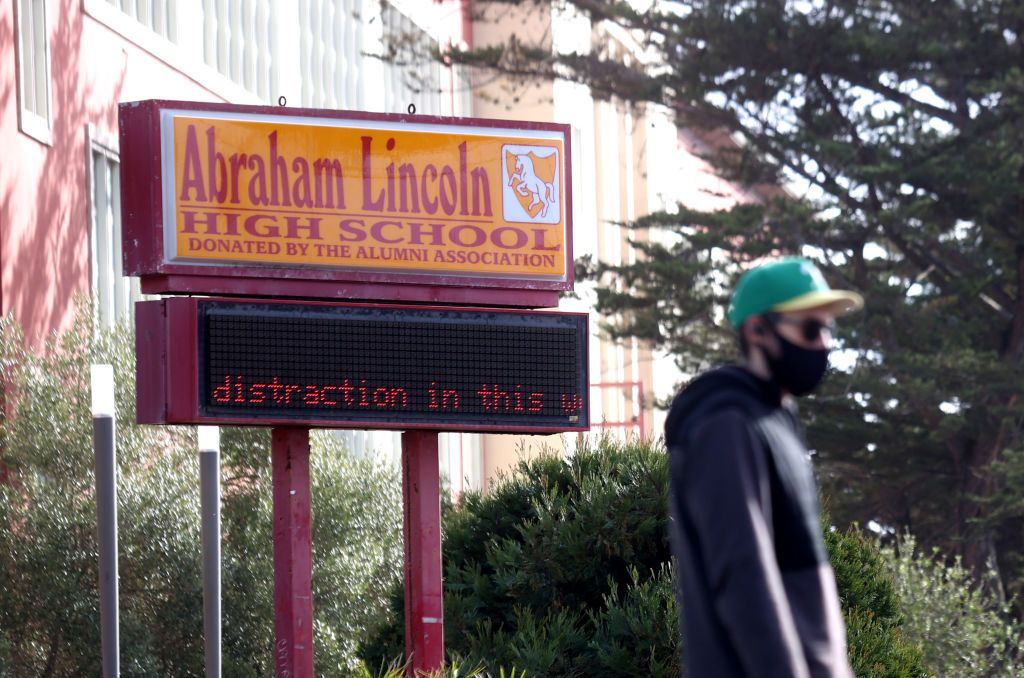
<point>788,284</point>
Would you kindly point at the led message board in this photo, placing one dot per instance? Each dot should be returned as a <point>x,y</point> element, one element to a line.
<point>361,366</point>
<point>261,194</point>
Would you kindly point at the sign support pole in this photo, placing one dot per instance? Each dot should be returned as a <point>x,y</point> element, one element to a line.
<point>104,445</point>
<point>424,603</point>
<point>293,553</point>
<point>209,506</point>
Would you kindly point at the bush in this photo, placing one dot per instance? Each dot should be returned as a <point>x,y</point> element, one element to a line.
<point>963,629</point>
<point>357,552</point>
<point>49,596</point>
<point>871,608</point>
<point>565,570</point>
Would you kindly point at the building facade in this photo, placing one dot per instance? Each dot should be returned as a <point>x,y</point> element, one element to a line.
<point>65,65</point>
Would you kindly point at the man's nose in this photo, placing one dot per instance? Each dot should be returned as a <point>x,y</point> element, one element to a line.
<point>824,339</point>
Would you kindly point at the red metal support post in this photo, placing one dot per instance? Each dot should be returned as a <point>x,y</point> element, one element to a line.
<point>293,553</point>
<point>424,603</point>
<point>639,420</point>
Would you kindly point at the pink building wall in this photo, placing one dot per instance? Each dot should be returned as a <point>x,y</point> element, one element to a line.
<point>44,188</point>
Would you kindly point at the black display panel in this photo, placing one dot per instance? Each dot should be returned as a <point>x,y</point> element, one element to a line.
<point>454,368</point>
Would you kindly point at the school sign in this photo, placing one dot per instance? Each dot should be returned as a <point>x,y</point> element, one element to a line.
<point>251,194</point>
<point>298,236</point>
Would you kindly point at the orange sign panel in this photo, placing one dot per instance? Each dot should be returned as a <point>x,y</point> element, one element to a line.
<point>365,195</point>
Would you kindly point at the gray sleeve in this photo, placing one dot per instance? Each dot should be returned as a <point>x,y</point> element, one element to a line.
<point>728,498</point>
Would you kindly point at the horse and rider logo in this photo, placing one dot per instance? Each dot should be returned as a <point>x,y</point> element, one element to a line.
<point>531,184</point>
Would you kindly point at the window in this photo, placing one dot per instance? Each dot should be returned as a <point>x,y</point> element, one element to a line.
<point>461,462</point>
<point>113,293</point>
<point>33,69</point>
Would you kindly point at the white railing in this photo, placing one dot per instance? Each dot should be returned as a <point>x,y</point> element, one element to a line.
<point>341,45</point>
<point>237,41</point>
<point>317,47</point>
<point>332,40</point>
<point>412,77</point>
<point>157,15</point>
<point>334,54</point>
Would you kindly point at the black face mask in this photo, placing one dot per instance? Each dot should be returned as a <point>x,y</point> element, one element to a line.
<point>796,369</point>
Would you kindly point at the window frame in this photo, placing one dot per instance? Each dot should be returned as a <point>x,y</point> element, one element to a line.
<point>30,122</point>
<point>106,146</point>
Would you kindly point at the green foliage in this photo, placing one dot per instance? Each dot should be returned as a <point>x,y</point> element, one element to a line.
<point>565,570</point>
<point>962,628</point>
<point>49,597</point>
<point>879,650</point>
<point>900,125</point>
<point>636,633</point>
<point>871,609</point>
<point>861,576</point>
<point>357,535</point>
<point>49,593</point>
<point>452,669</point>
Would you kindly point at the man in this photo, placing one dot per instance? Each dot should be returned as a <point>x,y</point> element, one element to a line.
<point>757,592</point>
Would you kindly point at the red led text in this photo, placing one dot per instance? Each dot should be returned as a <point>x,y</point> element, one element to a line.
<point>275,392</point>
<point>498,399</point>
<point>360,394</point>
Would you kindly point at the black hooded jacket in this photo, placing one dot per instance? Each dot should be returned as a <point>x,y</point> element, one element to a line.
<point>758,597</point>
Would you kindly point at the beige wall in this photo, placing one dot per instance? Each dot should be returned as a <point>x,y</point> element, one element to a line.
<point>618,191</point>
<point>505,98</point>
<point>501,453</point>
<point>511,100</point>
<point>626,368</point>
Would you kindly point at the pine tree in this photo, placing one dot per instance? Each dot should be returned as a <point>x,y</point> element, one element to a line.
<point>901,126</point>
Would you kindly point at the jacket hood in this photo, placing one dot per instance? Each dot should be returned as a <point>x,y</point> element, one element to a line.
<point>730,385</point>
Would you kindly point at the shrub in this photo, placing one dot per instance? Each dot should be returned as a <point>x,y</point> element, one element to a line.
<point>49,597</point>
<point>963,629</point>
<point>49,594</point>
<point>357,552</point>
<point>871,609</point>
<point>565,570</point>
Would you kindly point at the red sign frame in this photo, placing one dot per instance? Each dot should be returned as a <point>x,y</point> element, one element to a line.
<point>169,368</point>
<point>143,216</point>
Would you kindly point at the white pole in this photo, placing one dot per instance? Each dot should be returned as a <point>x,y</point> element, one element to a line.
<point>104,436</point>
<point>209,476</point>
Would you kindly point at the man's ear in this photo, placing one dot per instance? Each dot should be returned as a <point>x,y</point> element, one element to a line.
<point>757,326</point>
<point>760,333</point>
